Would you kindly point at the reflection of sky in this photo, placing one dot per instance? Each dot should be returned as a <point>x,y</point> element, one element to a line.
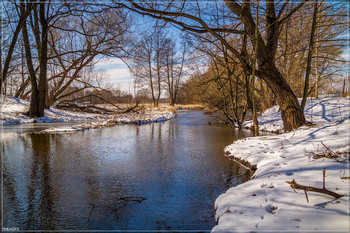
<point>117,71</point>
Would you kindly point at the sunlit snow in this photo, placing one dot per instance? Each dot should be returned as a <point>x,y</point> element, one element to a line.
<point>267,202</point>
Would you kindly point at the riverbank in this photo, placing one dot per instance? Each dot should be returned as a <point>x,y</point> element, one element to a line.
<point>13,112</point>
<point>267,202</point>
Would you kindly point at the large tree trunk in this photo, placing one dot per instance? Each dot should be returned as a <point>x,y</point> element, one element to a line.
<point>33,107</point>
<point>292,115</point>
<point>254,113</point>
<point>42,97</point>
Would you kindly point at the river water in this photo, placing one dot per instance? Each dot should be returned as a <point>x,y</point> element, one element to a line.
<point>161,176</point>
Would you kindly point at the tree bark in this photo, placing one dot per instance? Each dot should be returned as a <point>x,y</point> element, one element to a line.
<point>291,113</point>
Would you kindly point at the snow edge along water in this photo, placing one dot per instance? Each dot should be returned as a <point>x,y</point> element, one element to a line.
<point>267,202</point>
<point>13,113</point>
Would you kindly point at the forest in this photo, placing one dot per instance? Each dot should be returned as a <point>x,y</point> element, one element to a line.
<point>238,57</point>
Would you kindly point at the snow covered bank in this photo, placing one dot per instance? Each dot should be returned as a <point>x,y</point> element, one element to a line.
<point>13,111</point>
<point>267,202</point>
<point>317,111</point>
<point>131,118</point>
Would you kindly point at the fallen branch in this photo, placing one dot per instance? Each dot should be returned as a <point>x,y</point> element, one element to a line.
<point>88,96</point>
<point>86,108</point>
<point>295,185</point>
<point>135,108</point>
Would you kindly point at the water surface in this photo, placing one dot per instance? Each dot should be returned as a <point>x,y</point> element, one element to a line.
<point>161,176</point>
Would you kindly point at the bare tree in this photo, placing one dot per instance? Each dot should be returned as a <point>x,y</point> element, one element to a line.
<point>39,88</point>
<point>62,42</point>
<point>195,18</point>
<point>77,48</point>
<point>147,62</point>
<point>327,62</point>
<point>175,58</point>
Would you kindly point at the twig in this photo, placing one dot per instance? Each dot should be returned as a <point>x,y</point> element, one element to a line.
<point>329,149</point>
<point>324,178</point>
<point>307,198</point>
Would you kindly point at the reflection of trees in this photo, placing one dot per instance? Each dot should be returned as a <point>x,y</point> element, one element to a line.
<point>171,131</point>
<point>40,201</point>
<point>8,184</point>
<point>26,183</point>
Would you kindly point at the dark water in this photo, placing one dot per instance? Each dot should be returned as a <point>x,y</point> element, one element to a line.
<point>97,179</point>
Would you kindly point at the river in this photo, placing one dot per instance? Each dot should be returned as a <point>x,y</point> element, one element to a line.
<point>160,176</point>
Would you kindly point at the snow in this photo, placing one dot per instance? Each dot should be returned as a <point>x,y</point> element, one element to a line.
<point>130,118</point>
<point>267,202</point>
<point>317,111</point>
<point>13,112</point>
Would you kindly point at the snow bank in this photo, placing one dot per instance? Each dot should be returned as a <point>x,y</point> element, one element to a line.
<point>267,202</point>
<point>317,111</point>
<point>131,118</point>
<point>13,112</point>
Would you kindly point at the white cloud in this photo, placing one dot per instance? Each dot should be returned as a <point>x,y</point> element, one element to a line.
<point>120,77</point>
<point>117,71</point>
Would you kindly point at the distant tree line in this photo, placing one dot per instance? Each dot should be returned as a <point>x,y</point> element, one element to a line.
<point>158,64</point>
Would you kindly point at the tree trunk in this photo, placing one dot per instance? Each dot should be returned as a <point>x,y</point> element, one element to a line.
<point>33,107</point>
<point>254,114</point>
<point>42,97</point>
<point>316,68</point>
<point>309,57</point>
<point>291,113</point>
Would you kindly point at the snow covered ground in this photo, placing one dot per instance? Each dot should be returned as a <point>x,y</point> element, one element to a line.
<point>267,202</point>
<point>12,112</point>
<point>317,111</point>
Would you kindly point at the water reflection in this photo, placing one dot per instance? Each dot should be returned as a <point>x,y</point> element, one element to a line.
<point>82,181</point>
